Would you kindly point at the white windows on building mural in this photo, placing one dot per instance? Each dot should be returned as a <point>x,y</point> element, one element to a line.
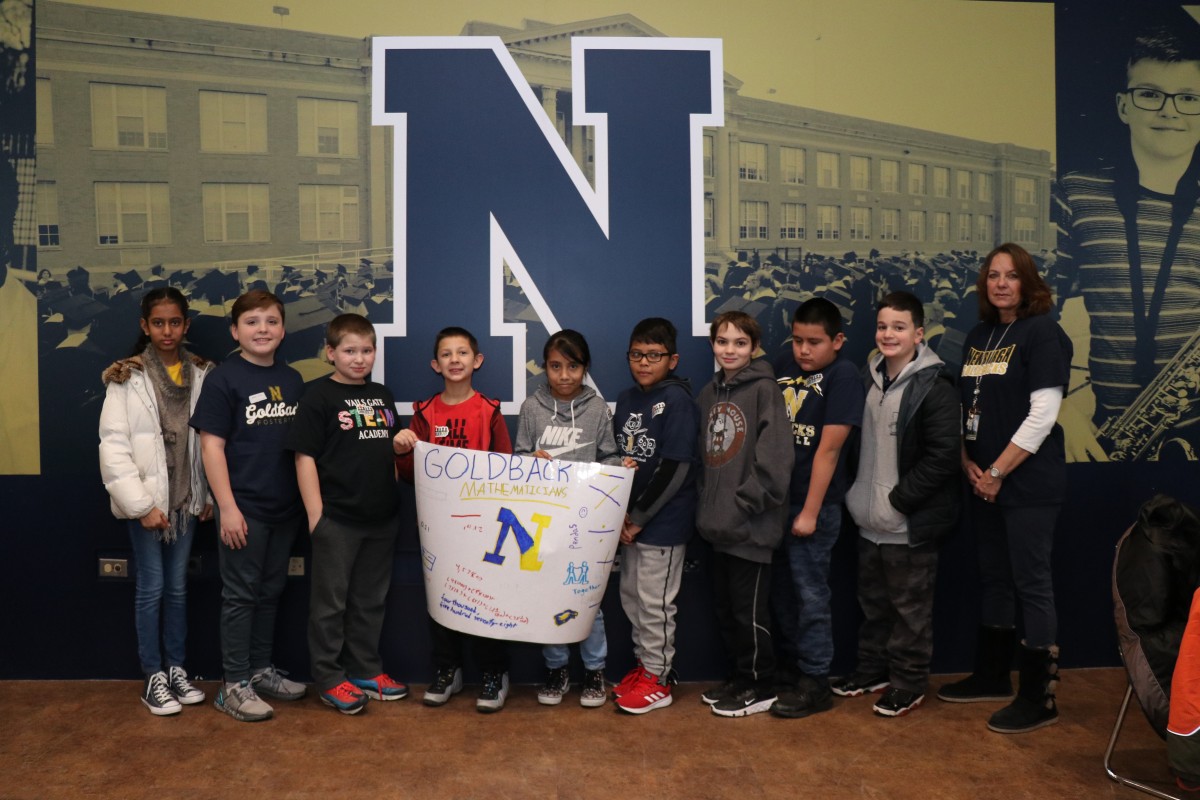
<point>47,214</point>
<point>329,213</point>
<point>964,184</point>
<point>860,173</point>
<point>1024,190</point>
<point>791,165</point>
<point>791,226</point>
<point>889,224</point>
<point>941,226</point>
<point>233,122</point>
<point>964,227</point>
<point>985,188</point>
<point>45,113</point>
<point>889,175</point>
<point>916,179</point>
<point>828,165</point>
<point>129,117</point>
<point>860,224</point>
<point>829,222</point>
<point>236,212</point>
<point>1024,230</point>
<point>709,216</point>
<point>754,220</point>
<point>133,213</point>
<point>983,229</point>
<point>941,182</point>
<point>327,127</point>
<point>709,170</point>
<point>916,226</point>
<point>752,161</point>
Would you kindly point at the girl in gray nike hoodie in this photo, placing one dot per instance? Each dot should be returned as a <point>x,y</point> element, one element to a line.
<point>568,421</point>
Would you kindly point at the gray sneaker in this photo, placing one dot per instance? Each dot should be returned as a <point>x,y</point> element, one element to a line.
<point>271,682</point>
<point>239,701</point>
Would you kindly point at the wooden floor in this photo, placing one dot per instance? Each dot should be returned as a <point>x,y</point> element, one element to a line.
<point>95,740</point>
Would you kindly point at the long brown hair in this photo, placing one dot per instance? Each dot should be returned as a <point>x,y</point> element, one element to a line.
<point>1035,294</point>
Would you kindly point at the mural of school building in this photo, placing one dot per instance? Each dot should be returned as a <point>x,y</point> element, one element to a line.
<point>168,140</point>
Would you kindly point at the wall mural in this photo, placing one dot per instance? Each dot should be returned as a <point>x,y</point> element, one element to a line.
<point>587,172</point>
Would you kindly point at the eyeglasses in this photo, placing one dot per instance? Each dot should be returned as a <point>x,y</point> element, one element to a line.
<point>635,356</point>
<point>1186,103</point>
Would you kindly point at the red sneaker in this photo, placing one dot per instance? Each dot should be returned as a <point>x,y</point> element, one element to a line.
<point>628,681</point>
<point>646,694</point>
<point>381,687</point>
<point>345,698</point>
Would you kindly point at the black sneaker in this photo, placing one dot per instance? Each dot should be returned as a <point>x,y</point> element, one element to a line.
<point>492,695</point>
<point>745,701</point>
<point>809,696</point>
<point>718,693</point>
<point>447,682</point>
<point>594,692</point>
<point>558,681</point>
<point>897,702</point>
<point>156,695</point>
<point>858,684</point>
<point>182,688</point>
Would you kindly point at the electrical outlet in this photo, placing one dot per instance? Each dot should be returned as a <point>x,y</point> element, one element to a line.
<point>296,565</point>
<point>114,568</point>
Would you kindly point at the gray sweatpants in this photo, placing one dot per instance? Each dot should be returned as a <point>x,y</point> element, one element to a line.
<point>650,577</point>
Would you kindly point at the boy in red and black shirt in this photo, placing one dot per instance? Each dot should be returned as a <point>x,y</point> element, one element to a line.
<point>458,416</point>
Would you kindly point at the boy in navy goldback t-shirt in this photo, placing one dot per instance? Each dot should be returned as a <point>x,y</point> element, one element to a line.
<point>243,415</point>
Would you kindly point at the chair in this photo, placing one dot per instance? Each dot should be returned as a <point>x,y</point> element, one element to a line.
<point>1154,575</point>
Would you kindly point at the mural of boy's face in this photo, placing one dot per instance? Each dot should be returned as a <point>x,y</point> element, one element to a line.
<point>1165,133</point>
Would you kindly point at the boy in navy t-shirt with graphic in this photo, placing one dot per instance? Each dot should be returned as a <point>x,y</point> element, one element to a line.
<point>824,396</point>
<point>243,415</point>
<point>342,437</point>
<point>656,425</point>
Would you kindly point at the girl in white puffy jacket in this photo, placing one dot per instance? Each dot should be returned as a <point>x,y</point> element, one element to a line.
<point>150,463</point>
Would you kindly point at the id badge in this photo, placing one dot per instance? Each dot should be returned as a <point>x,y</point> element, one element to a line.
<point>972,432</point>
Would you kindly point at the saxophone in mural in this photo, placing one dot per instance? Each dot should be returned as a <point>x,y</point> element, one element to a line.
<point>1155,426</point>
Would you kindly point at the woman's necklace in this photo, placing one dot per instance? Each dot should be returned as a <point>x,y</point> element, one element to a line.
<point>972,426</point>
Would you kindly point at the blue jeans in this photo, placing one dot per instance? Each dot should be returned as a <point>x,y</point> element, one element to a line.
<point>160,596</point>
<point>800,594</point>
<point>593,649</point>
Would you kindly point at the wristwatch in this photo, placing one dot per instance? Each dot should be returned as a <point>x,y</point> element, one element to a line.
<point>996,473</point>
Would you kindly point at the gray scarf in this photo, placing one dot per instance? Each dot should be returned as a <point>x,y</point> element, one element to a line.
<point>174,402</point>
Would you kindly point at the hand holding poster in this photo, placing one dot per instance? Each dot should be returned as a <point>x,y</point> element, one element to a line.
<point>517,547</point>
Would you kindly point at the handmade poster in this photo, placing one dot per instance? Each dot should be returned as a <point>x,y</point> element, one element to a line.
<point>517,547</point>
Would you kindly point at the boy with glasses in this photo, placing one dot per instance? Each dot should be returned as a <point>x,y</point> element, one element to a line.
<point>656,427</point>
<point>1129,243</point>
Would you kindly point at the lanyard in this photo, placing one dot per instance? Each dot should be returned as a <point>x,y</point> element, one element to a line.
<point>1145,320</point>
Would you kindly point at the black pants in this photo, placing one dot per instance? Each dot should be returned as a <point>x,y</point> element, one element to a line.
<point>448,646</point>
<point>252,579</point>
<point>895,591</point>
<point>351,574</point>
<point>742,589</point>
